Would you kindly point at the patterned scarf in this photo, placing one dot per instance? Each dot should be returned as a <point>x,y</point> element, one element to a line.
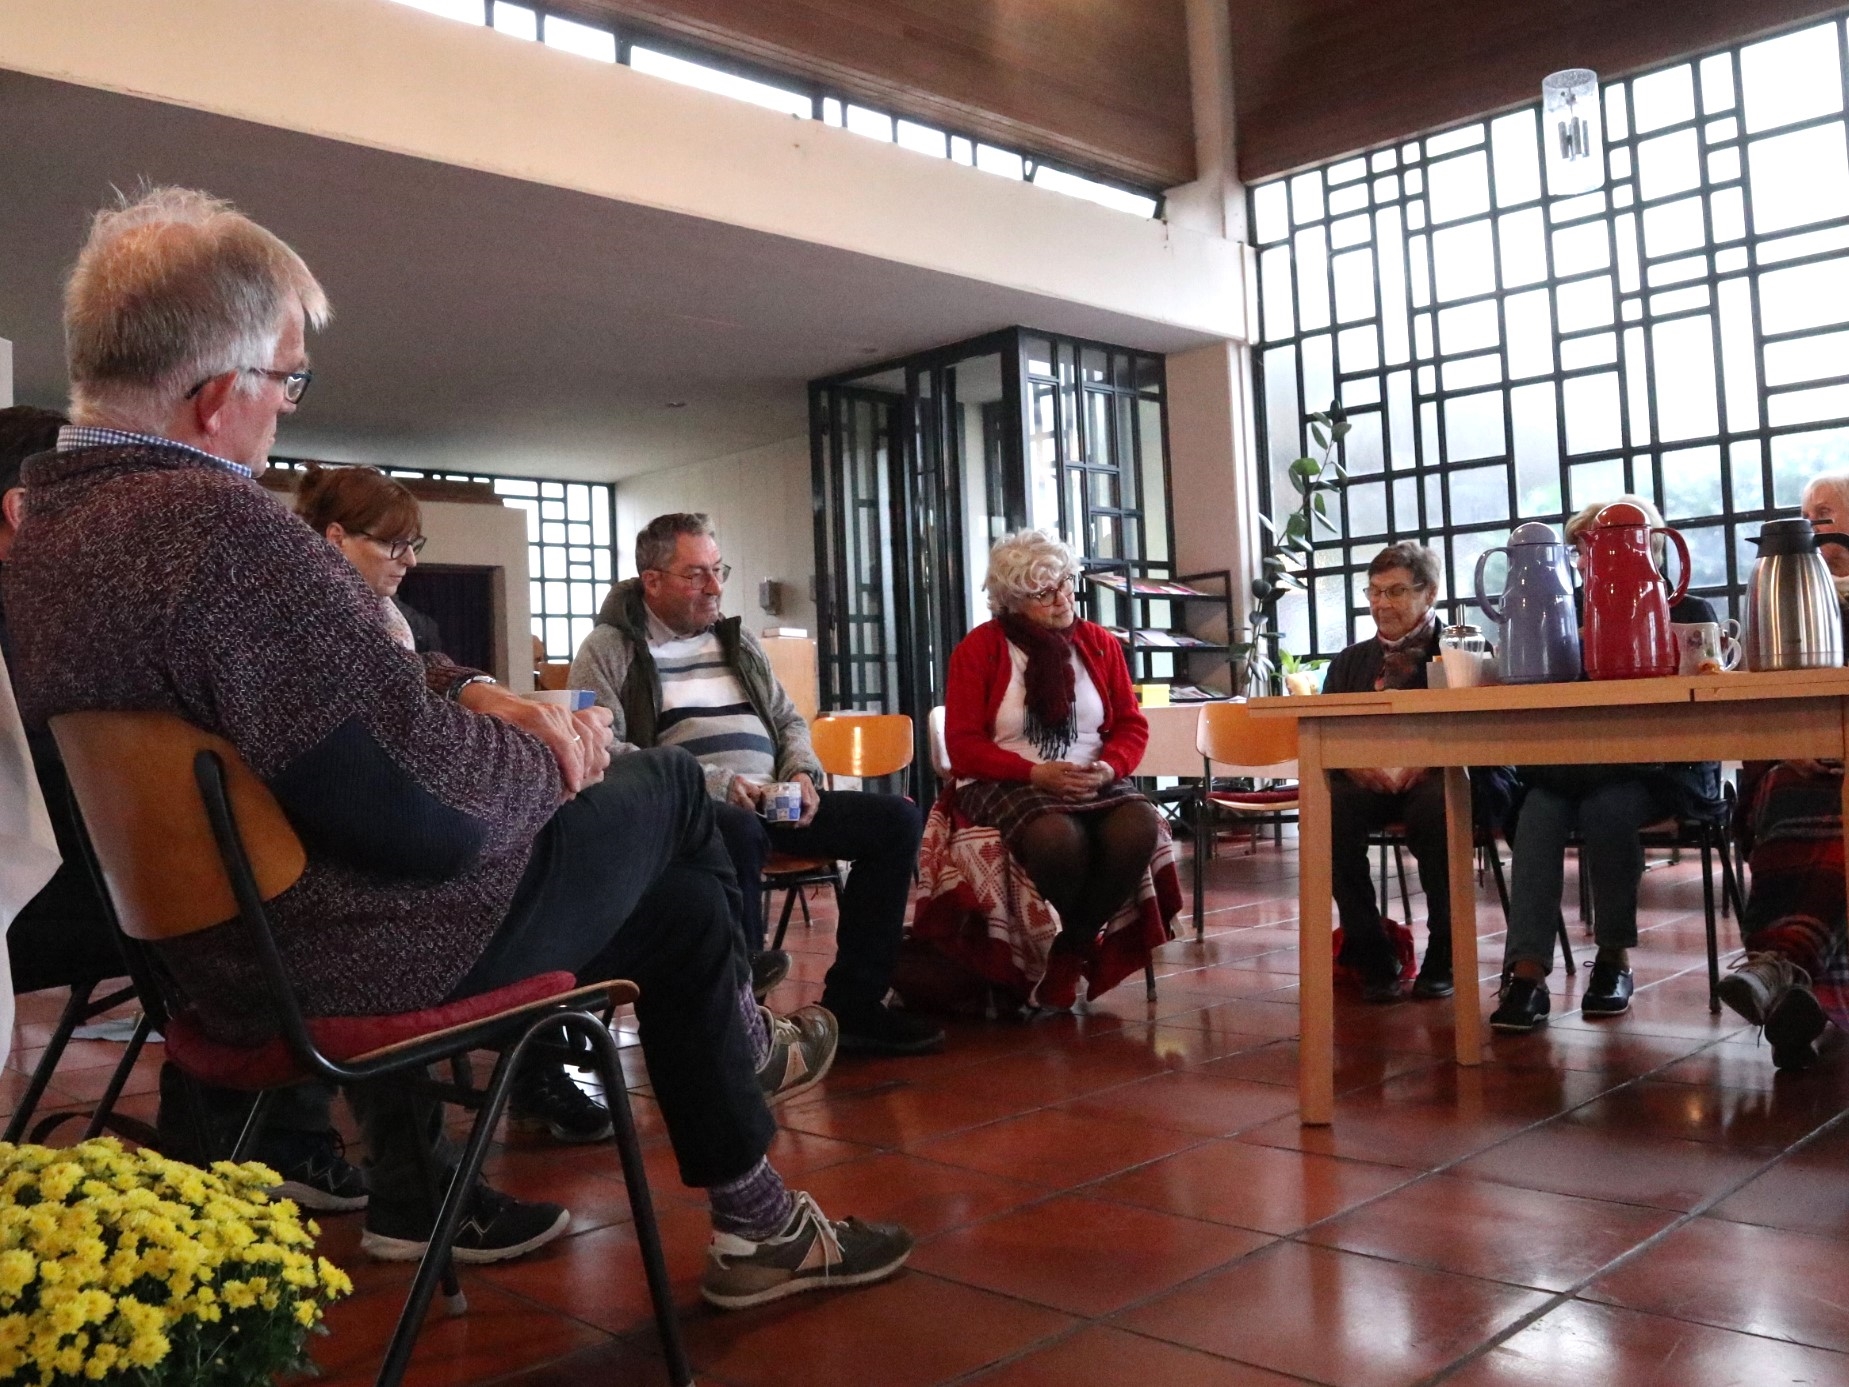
<point>395,625</point>
<point>1051,723</point>
<point>1403,659</point>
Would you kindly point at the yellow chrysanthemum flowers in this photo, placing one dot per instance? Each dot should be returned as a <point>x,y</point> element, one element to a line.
<point>113,1263</point>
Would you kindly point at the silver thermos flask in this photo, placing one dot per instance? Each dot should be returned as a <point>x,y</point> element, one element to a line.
<point>1793,617</point>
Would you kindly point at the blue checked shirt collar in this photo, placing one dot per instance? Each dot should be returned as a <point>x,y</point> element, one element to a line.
<point>75,436</point>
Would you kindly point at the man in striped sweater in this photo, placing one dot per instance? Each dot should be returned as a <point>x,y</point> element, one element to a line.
<point>674,673</point>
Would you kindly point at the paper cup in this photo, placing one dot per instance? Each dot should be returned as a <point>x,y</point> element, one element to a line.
<point>1463,669</point>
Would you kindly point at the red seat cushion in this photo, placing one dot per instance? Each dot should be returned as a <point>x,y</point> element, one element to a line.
<point>1258,799</point>
<point>249,1068</point>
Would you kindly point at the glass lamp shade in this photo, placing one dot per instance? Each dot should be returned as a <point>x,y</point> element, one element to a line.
<point>1572,131</point>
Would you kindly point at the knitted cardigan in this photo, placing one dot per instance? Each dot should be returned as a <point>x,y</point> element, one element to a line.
<point>147,579</point>
<point>980,670</point>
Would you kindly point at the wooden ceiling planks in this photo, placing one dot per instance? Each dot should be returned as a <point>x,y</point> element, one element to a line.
<point>1100,85</point>
<point>1316,79</point>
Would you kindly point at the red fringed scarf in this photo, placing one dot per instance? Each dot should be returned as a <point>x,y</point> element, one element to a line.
<point>1052,685</point>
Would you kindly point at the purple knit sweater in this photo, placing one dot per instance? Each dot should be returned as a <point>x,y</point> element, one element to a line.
<point>144,578</point>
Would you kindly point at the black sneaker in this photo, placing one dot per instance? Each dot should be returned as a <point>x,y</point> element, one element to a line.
<point>1608,991</point>
<point>767,970</point>
<point>495,1228</point>
<point>544,1099</point>
<point>315,1173</point>
<point>884,1030</point>
<point>1383,987</point>
<point>1522,1007</point>
<point>1434,978</point>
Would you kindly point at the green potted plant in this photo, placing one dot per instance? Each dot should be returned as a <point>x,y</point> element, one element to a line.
<point>1288,548</point>
<point>1301,676</point>
<point>124,1267</point>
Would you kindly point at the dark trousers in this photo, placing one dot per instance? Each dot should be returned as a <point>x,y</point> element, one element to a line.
<point>878,835</point>
<point>305,1110</point>
<point>1356,811</point>
<point>627,880</point>
<point>630,880</point>
<point>1608,811</point>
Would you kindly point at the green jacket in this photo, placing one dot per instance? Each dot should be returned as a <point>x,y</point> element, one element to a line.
<point>615,664</point>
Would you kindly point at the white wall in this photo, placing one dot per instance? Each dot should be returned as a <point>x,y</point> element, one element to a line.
<point>759,502</point>
<point>1211,468</point>
<point>493,537</point>
<point>6,374</point>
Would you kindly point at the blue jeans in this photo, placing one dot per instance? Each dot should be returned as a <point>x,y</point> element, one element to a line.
<point>631,880</point>
<point>1608,815</point>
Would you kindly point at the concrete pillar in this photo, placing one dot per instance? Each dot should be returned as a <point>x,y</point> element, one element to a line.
<point>1215,202</point>
<point>1212,447</point>
<point>1211,472</point>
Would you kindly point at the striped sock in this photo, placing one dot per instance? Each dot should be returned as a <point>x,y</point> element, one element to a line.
<point>755,1026</point>
<point>756,1206</point>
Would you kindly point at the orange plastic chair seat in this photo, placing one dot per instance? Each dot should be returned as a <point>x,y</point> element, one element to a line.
<point>784,865</point>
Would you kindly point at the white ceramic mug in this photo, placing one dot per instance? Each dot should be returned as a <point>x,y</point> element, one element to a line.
<point>1707,647</point>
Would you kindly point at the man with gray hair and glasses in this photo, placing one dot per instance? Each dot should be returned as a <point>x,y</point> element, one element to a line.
<point>459,839</point>
<point>675,673</point>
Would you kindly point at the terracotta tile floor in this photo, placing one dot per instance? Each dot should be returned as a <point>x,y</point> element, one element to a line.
<point>1126,1196</point>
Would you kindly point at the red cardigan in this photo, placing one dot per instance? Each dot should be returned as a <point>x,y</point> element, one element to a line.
<point>980,669</point>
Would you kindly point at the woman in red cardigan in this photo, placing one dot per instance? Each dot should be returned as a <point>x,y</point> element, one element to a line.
<point>1042,727</point>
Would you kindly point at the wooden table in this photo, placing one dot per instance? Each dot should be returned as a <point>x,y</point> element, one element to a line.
<point>1721,717</point>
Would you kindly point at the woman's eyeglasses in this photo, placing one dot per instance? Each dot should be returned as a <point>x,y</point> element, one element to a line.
<point>398,548</point>
<point>1051,594</point>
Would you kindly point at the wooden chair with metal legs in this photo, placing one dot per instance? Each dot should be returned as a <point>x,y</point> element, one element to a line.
<point>1233,743</point>
<point>1489,853</point>
<point>868,746</point>
<point>82,1006</point>
<point>940,764</point>
<point>1708,835</point>
<point>182,837</point>
<point>63,939</point>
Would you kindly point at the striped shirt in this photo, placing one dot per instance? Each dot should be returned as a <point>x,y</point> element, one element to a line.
<point>74,436</point>
<point>704,707</point>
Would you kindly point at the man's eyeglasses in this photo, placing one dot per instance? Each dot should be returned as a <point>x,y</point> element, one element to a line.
<point>398,548</point>
<point>1399,592</point>
<point>1051,594</point>
<point>294,383</point>
<point>700,577</point>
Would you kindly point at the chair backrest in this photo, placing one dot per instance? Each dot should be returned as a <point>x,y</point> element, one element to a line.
<point>132,774</point>
<point>940,748</point>
<point>1229,736</point>
<point>866,745</point>
<point>553,674</point>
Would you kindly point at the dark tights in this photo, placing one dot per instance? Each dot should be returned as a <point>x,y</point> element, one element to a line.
<point>1087,865</point>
